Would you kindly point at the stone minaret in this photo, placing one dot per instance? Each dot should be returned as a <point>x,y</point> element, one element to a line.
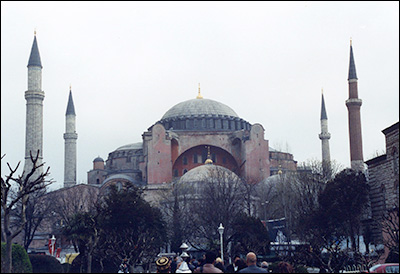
<point>34,109</point>
<point>325,136</point>
<point>70,137</point>
<point>353,105</point>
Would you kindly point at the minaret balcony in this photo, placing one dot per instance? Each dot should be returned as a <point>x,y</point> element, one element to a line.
<point>70,136</point>
<point>323,136</point>
<point>34,94</point>
<point>353,102</point>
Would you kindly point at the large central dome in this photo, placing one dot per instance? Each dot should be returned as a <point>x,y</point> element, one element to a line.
<point>198,108</point>
<point>202,115</point>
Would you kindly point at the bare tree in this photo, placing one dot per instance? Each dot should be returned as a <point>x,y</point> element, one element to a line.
<point>37,211</point>
<point>390,230</point>
<point>67,202</point>
<point>15,189</point>
<point>294,194</point>
<point>197,206</point>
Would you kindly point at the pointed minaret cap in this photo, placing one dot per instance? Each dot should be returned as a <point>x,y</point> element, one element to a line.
<point>70,106</point>
<point>323,111</point>
<point>352,65</point>
<point>34,58</point>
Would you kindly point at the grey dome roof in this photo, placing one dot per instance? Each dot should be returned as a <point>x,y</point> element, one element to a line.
<point>199,107</point>
<point>98,159</point>
<point>138,145</point>
<point>203,172</point>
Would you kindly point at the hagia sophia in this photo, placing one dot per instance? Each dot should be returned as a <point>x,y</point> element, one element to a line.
<point>180,141</point>
<point>199,131</point>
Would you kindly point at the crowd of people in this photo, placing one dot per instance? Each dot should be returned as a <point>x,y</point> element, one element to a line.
<point>210,263</point>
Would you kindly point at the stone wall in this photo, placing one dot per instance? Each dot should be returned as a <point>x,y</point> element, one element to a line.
<point>383,179</point>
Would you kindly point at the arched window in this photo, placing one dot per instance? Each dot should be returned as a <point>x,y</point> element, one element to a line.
<point>185,161</point>
<point>195,158</point>
<point>184,171</point>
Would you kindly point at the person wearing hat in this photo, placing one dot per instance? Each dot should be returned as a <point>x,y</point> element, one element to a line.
<point>163,265</point>
<point>183,268</point>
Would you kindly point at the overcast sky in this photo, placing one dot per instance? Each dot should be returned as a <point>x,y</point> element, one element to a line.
<point>129,62</point>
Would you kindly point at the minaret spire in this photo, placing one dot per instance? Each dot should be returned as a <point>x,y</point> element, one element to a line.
<point>324,136</point>
<point>70,137</point>
<point>34,97</point>
<point>352,65</point>
<point>34,58</point>
<point>353,105</point>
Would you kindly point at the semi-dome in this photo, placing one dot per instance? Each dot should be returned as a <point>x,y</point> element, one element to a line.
<point>202,115</point>
<point>133,146</point>
<point>197,179</point>
<point>199,107</point>
<point>208,172</point>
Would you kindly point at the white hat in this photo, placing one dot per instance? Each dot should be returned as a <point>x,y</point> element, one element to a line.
<point>184,255</point>
<point>183,268</point>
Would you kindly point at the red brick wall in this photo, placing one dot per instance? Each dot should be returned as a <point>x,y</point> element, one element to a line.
<point>221,158</point>
<point>159,166</point>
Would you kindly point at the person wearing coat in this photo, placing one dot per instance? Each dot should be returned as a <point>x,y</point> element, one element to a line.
<point>251,260</point>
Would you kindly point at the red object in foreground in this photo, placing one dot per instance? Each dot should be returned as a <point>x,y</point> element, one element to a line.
<point>385,268</point>
<point>50,247</point>
<point>58,252</point>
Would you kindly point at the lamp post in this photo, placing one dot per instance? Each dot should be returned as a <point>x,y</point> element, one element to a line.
<point>221,232</point>
<point>184,247</point>
<point>264,204</point>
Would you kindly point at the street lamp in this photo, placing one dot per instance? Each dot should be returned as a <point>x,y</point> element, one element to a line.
<point>184,247</point>
<point>221,232</point>
<point>264,204</point>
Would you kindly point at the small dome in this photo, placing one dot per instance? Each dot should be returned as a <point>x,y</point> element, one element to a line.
<point>98,159</point>
<point>199,107</point>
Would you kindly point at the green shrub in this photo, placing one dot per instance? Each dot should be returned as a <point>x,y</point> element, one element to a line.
<point>20,259</point>
<point>45,264</point>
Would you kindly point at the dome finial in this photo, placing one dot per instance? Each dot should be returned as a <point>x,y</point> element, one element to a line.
<point>34,32</point>
<point>350,41</point>
<point>208,161</point>
<point>199,94</point>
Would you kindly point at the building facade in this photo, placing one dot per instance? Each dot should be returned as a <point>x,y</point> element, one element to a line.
<point>180,141</point>
<point>383,179</point>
